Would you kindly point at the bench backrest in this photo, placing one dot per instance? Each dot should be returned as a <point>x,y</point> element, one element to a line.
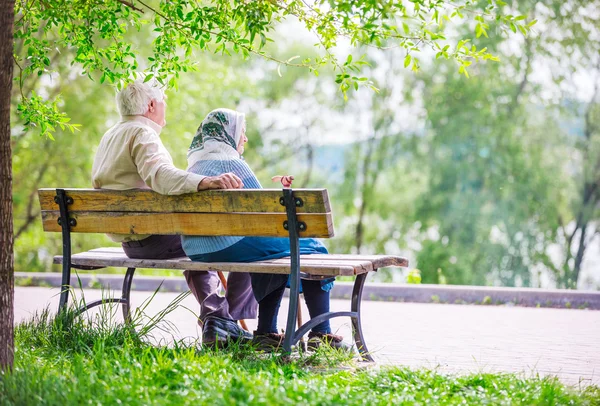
<point>243,212</point>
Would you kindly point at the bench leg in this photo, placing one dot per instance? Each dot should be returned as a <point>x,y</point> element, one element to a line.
<point>356,321</point>
<point>65,287</point>
<point>292,337</point>
<point>65,223</point>
<point>294,231</point>
<point>125,295</point>
<point>354,315</point>
<point>124,300</point>
<point>88,306</point>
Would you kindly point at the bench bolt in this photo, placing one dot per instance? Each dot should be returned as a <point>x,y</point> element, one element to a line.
<point>297,201</point>
<point>72,222</point>
<point>301,225</point>
<point>69,200</point>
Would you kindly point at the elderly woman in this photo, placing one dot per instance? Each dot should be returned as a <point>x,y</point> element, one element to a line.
<point>216,149</point>
<point>131,155</point>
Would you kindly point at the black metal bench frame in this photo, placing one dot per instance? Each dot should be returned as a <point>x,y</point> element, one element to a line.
<point>292,335</point>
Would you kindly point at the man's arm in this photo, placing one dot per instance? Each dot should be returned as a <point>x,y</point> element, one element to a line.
<point>224,181</point>
<point>156,168</point>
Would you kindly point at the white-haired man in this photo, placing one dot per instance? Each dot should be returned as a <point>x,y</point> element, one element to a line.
<point>131,155</point>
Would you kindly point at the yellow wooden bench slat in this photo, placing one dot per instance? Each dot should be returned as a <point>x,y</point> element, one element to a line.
<point>277,267</point>
<point>310,264</point>
<point>208,201</point>
<point>378,261</point>
<point>213,224</point>
<point>375,261</point>
<point>356,262</point>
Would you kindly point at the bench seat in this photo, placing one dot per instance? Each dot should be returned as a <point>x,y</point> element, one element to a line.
<point>316,266</point>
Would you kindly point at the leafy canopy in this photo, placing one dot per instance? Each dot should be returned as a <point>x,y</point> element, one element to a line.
<point>96,32</point>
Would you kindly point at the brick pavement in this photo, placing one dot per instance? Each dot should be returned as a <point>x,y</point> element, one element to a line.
<point>450,338</point>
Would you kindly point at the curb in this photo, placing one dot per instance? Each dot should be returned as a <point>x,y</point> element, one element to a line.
<point>452,294</point>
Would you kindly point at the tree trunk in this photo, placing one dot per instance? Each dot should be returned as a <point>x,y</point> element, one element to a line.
<point>359,231</point>
<point>6,219</point>
<point>310,158</point>
<point>589,194</point>
<point>579,258</point>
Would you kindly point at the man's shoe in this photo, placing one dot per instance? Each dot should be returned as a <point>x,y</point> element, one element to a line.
<point>268,342</point>
<point>315,340</point>
<point>218,332</point>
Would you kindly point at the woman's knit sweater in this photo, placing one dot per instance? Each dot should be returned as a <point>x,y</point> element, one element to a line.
<point>193,245</point>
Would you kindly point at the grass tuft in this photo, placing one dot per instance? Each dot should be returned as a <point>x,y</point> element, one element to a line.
<point>78,360</point>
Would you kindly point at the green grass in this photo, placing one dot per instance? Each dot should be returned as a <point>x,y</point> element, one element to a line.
<point>67,360</point>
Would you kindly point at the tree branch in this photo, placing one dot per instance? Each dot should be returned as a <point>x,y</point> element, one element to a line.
<point>28,220</point>
<point>130,5</point>
<point>31,215</point>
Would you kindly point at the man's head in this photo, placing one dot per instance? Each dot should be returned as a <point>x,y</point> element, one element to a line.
<point>143,99</point>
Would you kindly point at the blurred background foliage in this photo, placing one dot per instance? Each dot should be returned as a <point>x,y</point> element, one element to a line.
<point>488,180</point>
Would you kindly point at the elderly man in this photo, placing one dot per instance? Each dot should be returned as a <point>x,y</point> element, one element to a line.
<point>131,155</point>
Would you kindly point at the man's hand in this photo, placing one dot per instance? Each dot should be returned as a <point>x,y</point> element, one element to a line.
<point>224,181</point>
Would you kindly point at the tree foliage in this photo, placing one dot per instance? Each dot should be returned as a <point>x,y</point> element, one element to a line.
<point>482,194</point>
<point>97,33</point>
<point>509,158</point>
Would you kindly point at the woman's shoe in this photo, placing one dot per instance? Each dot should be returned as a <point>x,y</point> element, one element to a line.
<point>268,342</point>
<point>315,340</point>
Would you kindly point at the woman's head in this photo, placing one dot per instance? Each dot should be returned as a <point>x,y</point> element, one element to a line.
<point>222,131</point>
<point>243,140</point>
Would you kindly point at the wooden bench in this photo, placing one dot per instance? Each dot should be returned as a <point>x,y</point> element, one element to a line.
<point>245,212</point>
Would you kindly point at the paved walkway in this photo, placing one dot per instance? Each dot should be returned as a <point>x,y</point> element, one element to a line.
<point>451,338</point>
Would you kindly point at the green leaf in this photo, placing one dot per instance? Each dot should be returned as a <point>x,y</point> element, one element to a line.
<point>407,60</point>
<point>522,29</point>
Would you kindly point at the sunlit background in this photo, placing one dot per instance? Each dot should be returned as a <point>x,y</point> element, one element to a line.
<point>488,180</point>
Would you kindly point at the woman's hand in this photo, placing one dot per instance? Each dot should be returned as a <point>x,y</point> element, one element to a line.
<point>286,180</point>
<point>224,181</point>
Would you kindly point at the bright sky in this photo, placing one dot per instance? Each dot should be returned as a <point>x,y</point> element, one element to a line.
<point>338,127</point>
